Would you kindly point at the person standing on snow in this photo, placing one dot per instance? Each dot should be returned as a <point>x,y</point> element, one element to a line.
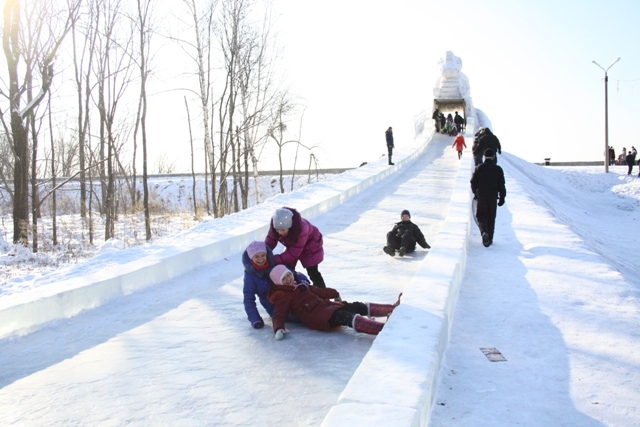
<point>436,119</point>
<point>477,154</point>
<point>404,236</point>
<point>258,261</point>
<point>487,140</point>
<point>612,156</point>
<point>389,137</point>
<point>459,121</point>
<point>301,239</point>
<point>631,160</point>
<point>315,310</point>
<point>487,184</point>
<point>459,144</point>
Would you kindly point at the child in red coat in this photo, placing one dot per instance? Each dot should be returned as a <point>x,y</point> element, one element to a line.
<point>459,144</point>
<point>313,307</point>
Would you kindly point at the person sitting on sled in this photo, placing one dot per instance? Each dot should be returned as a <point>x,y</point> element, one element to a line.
<point>404,236</point>
<point>313,307</point>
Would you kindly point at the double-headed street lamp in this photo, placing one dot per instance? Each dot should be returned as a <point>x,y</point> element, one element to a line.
<point>606,114</point>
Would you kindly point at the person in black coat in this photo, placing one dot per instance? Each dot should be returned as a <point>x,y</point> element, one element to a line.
<point>475,150</point>
<point>459,121</point>
<point>389,137</point>
<point>485,141</point>
<point>404,236</point>
<point>436,119</point>
<point>631,160</point>
<point>487,185</point>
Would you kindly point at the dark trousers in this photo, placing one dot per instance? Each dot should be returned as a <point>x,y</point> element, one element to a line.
<point>406,240</point>
<point>344,315</point>
<point>486,215</point>
<point>390,151</point>
<point>630,168</point>
<point>316,277</point>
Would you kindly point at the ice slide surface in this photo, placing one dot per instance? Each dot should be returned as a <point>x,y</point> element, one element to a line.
<point>183,353</point>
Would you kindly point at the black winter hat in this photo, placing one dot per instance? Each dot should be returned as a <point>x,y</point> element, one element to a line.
<point>489,153</point>
<point>405,212</point>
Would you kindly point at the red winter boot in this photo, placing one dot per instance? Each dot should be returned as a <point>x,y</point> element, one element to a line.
<point>367,326</point>
<point>381,310</point>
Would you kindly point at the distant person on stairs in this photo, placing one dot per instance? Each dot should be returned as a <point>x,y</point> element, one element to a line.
<point>389,137</point>
<point>487,185</point>
<point>404,236</point>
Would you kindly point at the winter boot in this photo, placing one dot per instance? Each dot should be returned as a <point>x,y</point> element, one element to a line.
<point>389,250</point>
<point>381,310</point>
<point>366,326</point>
<point>486,240</point>
<point>402,251</point>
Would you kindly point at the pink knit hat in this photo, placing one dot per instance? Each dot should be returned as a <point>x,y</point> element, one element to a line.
<point>277,273</point>
<point>256,247</point>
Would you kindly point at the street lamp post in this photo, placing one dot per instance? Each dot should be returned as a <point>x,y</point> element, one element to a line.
<point>606,114</point>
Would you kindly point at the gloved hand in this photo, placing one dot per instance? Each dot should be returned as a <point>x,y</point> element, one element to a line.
<point>279,334</point>
<point>501,201</point>
<point>258,324</point>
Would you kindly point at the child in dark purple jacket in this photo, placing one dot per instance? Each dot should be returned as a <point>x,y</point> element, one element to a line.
<point>301,239</point>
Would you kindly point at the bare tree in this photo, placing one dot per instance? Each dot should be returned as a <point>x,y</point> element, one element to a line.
<point>145,31</point>
<point>193,172</point>
<point>282,110</point>
<point>13,46</point>
<point>255,82</point>
<point>82,59</point>
<point>201,52</point>
<point>113,73</point>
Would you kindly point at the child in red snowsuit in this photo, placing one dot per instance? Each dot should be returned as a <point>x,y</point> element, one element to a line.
<point>459,144</point>
<point>313,307</point>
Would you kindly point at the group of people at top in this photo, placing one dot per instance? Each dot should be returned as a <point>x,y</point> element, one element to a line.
<point>625,158</point>
<point>288,295</point>
<point>450,125</point>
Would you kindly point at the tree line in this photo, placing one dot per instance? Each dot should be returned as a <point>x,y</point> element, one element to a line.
<point>238,102</point>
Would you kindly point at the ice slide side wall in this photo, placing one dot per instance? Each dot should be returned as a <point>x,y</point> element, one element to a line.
<point>29,311</point>
<point>396,382</point>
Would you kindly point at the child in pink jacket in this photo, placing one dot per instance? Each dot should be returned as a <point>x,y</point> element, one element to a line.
<point>302,240</point>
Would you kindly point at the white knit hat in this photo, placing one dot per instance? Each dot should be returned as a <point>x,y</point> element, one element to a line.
<point>282,219</point>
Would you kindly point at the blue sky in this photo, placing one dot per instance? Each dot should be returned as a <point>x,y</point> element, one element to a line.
<point>361,67</point>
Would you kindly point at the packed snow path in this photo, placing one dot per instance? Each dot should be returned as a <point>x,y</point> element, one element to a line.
<point>183,353</point>
<point>553,297</point>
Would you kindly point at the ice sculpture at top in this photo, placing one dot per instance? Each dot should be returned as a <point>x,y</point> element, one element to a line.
<point>453,83</point>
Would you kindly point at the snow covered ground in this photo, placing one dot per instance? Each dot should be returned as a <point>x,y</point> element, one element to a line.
<point>557,294</point>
